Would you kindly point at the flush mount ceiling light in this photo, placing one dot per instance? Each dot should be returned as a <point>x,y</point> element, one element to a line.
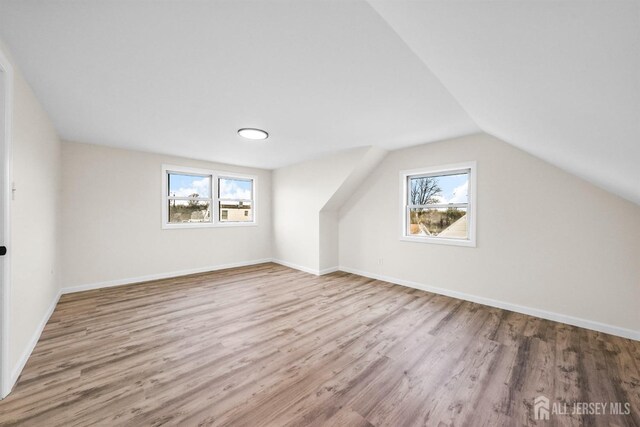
<point>252,133</point>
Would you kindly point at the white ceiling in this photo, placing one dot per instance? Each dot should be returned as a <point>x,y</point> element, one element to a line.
<point>181,77</point>
<point>559,79</point>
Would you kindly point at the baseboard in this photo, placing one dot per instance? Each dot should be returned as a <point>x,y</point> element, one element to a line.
<point>160,276</point>
<point>297,267</point>
<point>315,271</point>
<point>17,370</point>
<point>556,317</point>
<point>148,278</point>
<point>328,270</point>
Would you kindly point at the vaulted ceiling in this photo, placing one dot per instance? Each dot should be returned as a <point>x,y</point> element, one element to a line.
<point>559,79</point>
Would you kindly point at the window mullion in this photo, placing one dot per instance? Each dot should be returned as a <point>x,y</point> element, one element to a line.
<point>439,206</point>
<point>215,204</point>
<point>189,200</point>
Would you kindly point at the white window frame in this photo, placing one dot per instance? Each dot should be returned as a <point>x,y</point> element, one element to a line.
<point>471,205</point>
<point>252,200</point>
<point>215,201</point>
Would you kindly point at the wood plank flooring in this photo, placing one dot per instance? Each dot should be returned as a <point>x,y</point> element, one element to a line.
<point>268,345</point>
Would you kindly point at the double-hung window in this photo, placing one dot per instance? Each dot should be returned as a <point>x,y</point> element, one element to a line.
<point>235,195</point>
<point>438,204</point>
<point>206,198</point>
<point>189,197</point>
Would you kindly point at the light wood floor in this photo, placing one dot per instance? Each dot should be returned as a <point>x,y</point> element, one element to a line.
<point>267,345</point>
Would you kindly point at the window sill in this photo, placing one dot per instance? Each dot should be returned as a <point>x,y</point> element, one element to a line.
<point>207,225</point>
<point>440,241</point>
<point>236,224</point>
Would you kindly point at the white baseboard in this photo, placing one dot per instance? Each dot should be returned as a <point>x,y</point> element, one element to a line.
<point>140,279</point>
<point>315,271</point>
<point>160,276</point>
<point>297,267</point>
<point>17,370</point>
<point>328,270</point>
<point>556,317</point>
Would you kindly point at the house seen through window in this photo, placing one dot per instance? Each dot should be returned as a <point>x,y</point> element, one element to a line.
<point>201,198</point>
<point>236,199</point>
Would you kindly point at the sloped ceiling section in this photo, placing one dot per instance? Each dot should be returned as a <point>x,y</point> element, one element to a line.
<point>559,79</point>
<point>360,170</point>
<point>180,77</point>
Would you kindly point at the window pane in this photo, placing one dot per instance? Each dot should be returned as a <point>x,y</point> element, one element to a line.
<point>189,186</point>
<point>439,189</point>
<point>189,211</point>
<point>235,189</point>
<point>236,211</point>
<point>441,222</point>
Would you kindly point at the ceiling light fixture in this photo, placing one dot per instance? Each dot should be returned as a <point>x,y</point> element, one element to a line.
<point>252,133</point>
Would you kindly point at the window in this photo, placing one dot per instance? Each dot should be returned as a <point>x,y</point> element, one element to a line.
<point>189,197</point>
<point>438,205</point>
<point>206,198</point>
<point>236,199</point>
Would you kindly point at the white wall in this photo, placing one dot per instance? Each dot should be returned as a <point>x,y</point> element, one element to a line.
<point>328,248</point>
<point>546,239</point>
<point>329,230</point>
<point>35,219</point>
<point>111,212</point>
<point>303,237</point>
<point>299,192</point>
